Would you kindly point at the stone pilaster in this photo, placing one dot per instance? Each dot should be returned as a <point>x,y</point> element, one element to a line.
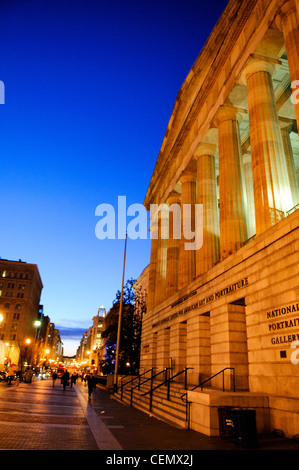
<point>287,21</point>
<point>233,230</point>
<point>270,180</point>
<point>208,255</point>
<point>187,260</point>
<point>173,245</point>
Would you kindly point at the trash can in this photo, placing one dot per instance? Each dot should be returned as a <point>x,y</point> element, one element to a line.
<point>244,427</point>
<point>225,422</point>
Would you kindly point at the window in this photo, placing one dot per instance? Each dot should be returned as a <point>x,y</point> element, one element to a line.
<point>18,307</point>
<point>16,316</point>
<point>4,274</point>
<point>6,305</point>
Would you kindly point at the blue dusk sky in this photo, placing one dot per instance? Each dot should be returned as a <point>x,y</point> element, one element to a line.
<point>89,89</point>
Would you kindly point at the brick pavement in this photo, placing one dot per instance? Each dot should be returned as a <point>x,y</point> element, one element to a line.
<point>37,416</point>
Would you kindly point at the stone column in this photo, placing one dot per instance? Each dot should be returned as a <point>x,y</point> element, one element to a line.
<point>287,21</point>
<point>187,266</point>
<point>153,267</point>
<point>248,179</point>
<point>270,180</point>
<point>208,255</point>
<point>286,128</point>
<point>233,231</point>
<point>173,245</point>
<point>160,281</point>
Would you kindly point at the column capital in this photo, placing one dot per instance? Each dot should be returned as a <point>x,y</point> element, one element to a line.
<point>258,63</point>
<point>205,149</point>
<point>228,113</point>
<point>173,198</point>
<point>288,7</point>
<point>287,124</point>
<point>189,174</point>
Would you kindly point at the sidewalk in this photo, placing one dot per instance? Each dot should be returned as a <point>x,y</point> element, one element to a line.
<point>135,430</point>
<point>37,416</point>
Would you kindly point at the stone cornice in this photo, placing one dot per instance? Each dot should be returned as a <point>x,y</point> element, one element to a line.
<point>226,47</point>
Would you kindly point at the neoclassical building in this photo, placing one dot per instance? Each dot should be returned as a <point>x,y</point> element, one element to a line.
<point>232,148</point>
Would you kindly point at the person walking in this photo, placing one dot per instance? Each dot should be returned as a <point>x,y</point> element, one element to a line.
<point>91,382</point>
<point>65,379</point>
<point>73,379</point>
<point>54,378</point>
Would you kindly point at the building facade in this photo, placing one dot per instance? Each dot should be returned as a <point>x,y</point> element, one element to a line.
<point>229,161</point>
<point>92,346</point>
<point>20,291</point>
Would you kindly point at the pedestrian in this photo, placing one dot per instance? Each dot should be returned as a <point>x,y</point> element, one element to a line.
<point>91,381</point>
<point>73,379</point>
<point>65,379</point>
<point>54,378</point>
<point>28,375</point>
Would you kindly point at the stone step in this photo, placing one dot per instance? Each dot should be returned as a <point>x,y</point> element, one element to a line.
<point>172,411</point>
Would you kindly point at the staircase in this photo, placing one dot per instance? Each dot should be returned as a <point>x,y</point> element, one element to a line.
<point>157,395</point>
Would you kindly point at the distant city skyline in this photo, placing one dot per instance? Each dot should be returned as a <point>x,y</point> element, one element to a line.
<point>89,89</point>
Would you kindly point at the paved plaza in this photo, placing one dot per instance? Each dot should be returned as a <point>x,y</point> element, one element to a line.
<point>38,416</point>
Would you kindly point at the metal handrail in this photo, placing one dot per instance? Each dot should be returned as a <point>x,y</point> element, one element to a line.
<point>122,385</point>
<point>188,403</point>
<point>212,377</point>
<point>139,383</point>
<point>167,381</point>
<point>164,371</point>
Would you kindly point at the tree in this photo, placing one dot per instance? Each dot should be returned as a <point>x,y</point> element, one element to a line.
<point>130,339</point>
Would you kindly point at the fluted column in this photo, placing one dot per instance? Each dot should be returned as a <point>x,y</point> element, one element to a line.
<point>187,267</point>
<point>152,269</point>
<point>286,128</point>
<point>270,180</point>
<point>248,181</point>
<point>233,231</point>
<point>288,22</point>
<point>160,281</point>
<point>173,245</point>
<point>208,255</point>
